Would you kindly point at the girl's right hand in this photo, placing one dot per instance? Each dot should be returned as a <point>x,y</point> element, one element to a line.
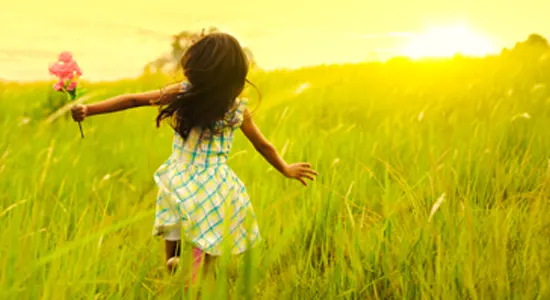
<point>300,172</point>
<point>79,112</point>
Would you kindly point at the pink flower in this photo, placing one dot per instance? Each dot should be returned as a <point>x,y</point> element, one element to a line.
<point>58,86</point>
<point>64,71</point>
<point>72,86</point>
<point>75,68</point>
<point>54,69</point>
<point>65,57</point>
<point>67,71</point>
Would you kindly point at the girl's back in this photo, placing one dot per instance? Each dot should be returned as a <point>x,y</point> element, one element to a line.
<point>202,148</point>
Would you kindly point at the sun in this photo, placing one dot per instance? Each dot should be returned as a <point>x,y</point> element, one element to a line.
<point>447,42</point>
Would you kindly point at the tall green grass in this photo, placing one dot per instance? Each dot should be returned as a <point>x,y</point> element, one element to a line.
<point>434,183</point>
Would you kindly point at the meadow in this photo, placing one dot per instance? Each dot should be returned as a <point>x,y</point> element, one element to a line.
<point>434,184</point>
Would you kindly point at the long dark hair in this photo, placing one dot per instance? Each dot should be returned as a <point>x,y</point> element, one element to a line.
<point>216,67</point>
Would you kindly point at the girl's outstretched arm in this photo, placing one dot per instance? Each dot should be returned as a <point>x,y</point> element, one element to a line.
<point>298,171</point>
<point>122,102</point>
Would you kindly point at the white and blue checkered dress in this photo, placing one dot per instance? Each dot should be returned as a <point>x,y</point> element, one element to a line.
<point>199,192</point>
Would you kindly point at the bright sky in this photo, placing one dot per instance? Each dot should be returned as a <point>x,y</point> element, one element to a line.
<point>115,38</point>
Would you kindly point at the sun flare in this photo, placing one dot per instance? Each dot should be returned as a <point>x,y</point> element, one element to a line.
<point>448,41</point>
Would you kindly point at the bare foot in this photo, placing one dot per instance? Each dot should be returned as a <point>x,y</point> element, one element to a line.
<point>172,264</point>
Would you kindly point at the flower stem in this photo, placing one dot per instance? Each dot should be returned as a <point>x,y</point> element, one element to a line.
<point>81,132</point>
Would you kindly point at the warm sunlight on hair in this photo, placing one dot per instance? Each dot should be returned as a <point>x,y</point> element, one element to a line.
<point>446,42</point>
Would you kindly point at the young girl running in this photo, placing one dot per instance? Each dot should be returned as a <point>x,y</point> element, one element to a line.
<point>198,193</point>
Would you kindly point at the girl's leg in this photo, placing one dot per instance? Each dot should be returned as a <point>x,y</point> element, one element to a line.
<point>172,249</point>
<point>198,259</point>
<point>209,262</point>
<point>201,259</point>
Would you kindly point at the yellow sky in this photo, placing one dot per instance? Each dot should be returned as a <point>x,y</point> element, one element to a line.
<point>114,38</point>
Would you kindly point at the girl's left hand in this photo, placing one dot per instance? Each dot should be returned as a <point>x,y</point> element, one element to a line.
<point>300,172</point>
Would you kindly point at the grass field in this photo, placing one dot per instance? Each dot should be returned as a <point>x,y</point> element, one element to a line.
<point>468,141</point>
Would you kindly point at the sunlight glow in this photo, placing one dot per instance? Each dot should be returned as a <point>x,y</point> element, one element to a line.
<point>446,42</point>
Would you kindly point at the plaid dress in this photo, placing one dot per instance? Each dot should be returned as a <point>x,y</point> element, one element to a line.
<point>199,192</point>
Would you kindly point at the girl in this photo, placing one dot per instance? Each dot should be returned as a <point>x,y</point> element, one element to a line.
<point>198,192</point>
